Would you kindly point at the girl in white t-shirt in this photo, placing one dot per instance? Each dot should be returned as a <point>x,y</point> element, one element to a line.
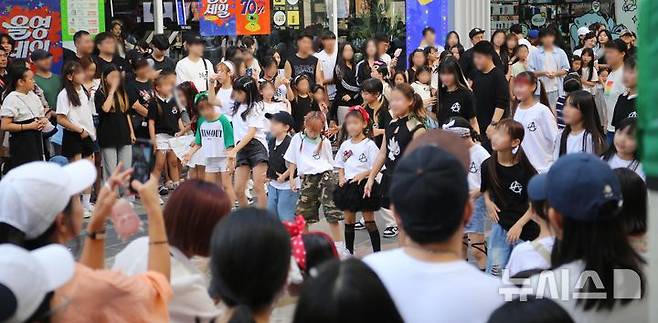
<point>422,87</point>
<point>213,138</point>
<point>250,150</point>
<point>75,111</point>
<point>583,132</point>
<point>309,153</point>
<point>588,73</point>
<point>537,120</point>
<point>271,103</point>
<point>623,153</point>
<point>354,161</point>
<point>225,75</point>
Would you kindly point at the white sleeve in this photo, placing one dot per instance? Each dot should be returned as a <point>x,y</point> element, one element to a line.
<point>9,107</point>
<point>589,144</point>
<point>338,160</point>
<point>179,73</point>
<point>595,75</point>
<point>256,119</point>
<point>326,148</point>
<point>556,145</point>
<point>373,151</point>
<point>550,125</point>
<point>211,70</point>
<point>292,153</point>
<point>62,103</point>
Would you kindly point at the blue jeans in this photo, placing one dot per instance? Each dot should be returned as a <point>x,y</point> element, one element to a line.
<point>610,138</point>
<point>476,225</point>
<point>498,250</point>
<point>282,203</point>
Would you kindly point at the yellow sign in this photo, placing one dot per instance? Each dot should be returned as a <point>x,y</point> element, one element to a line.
<point>279,2</point>
<point>293,18</point>
<point>424,2</point>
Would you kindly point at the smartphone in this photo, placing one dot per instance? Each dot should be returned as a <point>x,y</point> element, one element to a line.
<point>397,52</point>
<point>250,71</point>
<point>143,160</point>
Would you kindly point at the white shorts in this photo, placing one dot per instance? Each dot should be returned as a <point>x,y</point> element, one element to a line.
<point>198,159</point>
<point>216,164</point>
<point>162,141</point>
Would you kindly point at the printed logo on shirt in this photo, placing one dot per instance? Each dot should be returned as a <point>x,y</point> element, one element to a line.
<point>532,127</point>
<point>145,95</point>
<point>346,155</point>
<point>473,169</point>
<point>363,158</point>
<point>393,149</point>
<point>632,114</point>
<point>316,156</point>
<point>217,133</point>
<point>516,187</point>
<point>456,107</point>
<point>607,192</point>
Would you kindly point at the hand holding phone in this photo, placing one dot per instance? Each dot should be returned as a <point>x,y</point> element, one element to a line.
<point>142,161</point>
<point>397,52</point>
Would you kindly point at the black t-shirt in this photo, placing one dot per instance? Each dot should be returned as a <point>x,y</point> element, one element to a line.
<point>512,196</point>
<point>459,103</point>
<point>165,114</point>
<point>399,134</point>
<point>165,65</point>
<point>625,108</point>
<point>276,163</point>
<point>466,63</point>
<point>491,91</point>
<point>300,106</point>
<point>142,92</point>
<point>117,61</point>
<point>305,66</point>
<point>381,120</point>
<point>113,129</point>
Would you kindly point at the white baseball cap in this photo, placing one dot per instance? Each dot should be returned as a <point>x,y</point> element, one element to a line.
<point>32,195</point>
<point>582,31</point>
<point>27,277</point>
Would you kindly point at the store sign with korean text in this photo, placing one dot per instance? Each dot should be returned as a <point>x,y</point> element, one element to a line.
<point>33,24</point>
<point>218,17</point>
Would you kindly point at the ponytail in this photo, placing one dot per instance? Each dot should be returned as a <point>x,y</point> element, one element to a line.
<point>417,108</point>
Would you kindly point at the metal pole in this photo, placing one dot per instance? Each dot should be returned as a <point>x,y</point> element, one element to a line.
<point>158,17</point>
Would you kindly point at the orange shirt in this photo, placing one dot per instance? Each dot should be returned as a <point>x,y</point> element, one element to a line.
<point>101,296</point>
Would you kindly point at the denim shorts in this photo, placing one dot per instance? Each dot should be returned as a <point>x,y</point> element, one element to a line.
<point>282,202</point>
<point>476,225</point>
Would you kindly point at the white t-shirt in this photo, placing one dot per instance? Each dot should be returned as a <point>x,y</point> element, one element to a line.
<point>272,107</point>
<point>436,292</point>
<point>212,138</point>
<point>328,65</point>
<point>80,116</point>
<point>424,90</point>
<point>224,96</point>
<point>22,107</point>
<point>575,143</point>
<point>635,311</point>
<point>530,255</point>
<point>616,162</point>
<point>356,158</point>
<point>255,119</point>
<point>190,286</point>
<point>540,131</point>
<point>196,72</point>
<point>550,65</point>
<point>585,76</point>
<point>478,155</point>
<point>305,157</point>
<point>614,87</point>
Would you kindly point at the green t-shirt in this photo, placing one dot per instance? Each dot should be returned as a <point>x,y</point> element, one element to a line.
<point>51,88</point>
<point>214,136</point>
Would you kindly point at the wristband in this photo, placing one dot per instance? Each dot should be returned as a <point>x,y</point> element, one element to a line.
<point>100,235</point>
<point>158,242</point>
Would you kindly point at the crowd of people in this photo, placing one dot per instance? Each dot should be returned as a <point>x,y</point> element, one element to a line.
<point>494,167</point>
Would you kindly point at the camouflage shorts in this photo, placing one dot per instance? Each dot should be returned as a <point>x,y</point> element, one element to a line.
<point>318,190</point>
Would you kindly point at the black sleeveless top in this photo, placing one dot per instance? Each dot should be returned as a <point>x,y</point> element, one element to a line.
<point>399,134</point>
<point>306,66</point>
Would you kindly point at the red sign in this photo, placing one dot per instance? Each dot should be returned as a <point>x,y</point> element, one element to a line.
<point>253,17</point>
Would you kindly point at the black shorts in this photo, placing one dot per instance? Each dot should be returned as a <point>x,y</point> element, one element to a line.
<point>385,200</point>
<point>73,145</point>
<point>252,154</point>
<point>350,197</point>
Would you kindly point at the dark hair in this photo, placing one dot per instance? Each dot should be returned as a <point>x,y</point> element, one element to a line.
<point>584,102</point>
<point>411,57</point>
<point>629,125</point>
<point>78,34</point>
<point>603,246</point>
<point>71,68</point>
<point>231,52</point>
<point>630,62</point>
<point>327,34</point>
<point>530,310</point>
<point>15,71</point>
<point>531,77</point>
<point>101,37</point>
<point>459,42</point>
<point>191,213</point>
<point>484,48</point>
<point>355,114</point>
<point>364,50</point>
<point>304,34</point>
<point>572,82</point>
<point>10,39</point>
<point>120,99</point>
<point>247,85</point>
<point>268,61</point>
<point>372,86</point>
<point>319,248</point>
<point>451,66</point>
<point>516,131</point>
<point>547,31</point>
<point>140,63</point>
<point>190,91</point>
<point>634,210</point>
<point>516,29</point>
<point>382,38</point>
<point>346,292</point>
<point>404,76</point>
<point>428,29</point>
<point>249,261</point>
<point>606,32</point>
<point>590,65</point>
<point>248,41</point>
<point>423,69</point>
<point>503,47</point>
<point>340,60</point>
<point>158,81</point>
<point>417,109</point>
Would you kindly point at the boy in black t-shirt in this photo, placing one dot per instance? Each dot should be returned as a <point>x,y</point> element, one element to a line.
<point>140,93</point>
<point>281,200</point>
<point>626,106</point>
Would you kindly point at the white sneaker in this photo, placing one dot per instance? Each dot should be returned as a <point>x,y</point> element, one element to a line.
<point>359,225</point>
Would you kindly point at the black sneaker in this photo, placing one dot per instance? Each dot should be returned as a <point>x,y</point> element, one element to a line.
<point>359,225</point>
<point>163,190</point>
<point>391,232</point>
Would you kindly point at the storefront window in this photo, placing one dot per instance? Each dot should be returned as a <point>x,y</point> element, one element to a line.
<point>359,20</point>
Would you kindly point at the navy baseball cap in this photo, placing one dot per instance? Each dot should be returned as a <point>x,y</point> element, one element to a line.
<point>281,116</point>
<point>429,190</point>
<point>577,186</point>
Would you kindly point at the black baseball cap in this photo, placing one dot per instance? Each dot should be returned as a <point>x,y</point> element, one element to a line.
<point>160,42</point>
<point>475,31</point>
<point>194,38</point>
<point>39,54</point>
<point>281,116</point>
<point>429,190</point>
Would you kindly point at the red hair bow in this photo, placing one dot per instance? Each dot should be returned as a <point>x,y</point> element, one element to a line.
<point>362,111</point>
<point>296,229</point>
